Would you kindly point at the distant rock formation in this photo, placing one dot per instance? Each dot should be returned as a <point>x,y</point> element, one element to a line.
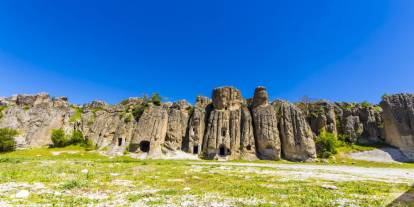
<point>224,127</point>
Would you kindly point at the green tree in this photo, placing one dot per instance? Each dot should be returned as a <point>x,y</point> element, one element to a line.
<point>156,99</point>
<point>59,138</point>
<point>7,142</point>
<point>76,138</point>
<point>326,144</point>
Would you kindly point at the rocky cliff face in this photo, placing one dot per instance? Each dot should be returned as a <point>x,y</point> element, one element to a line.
<point>227,126</point>
<point>265,126</point>
<point>295,133</point>
<point>398,115</point>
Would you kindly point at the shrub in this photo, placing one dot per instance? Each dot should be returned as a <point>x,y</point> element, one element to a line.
<point>76,138</point>
<point>156,99</point>
<point>2,108</point>
<point>138,111</point>
<point>366,104</point>
<point>59,138</point>
<point>7,142</point>
<point>326,144</point>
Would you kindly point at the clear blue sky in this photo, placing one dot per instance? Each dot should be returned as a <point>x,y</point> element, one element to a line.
<point>349,50</point>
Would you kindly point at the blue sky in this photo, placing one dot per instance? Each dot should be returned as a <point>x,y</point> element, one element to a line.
<point>338,50</point>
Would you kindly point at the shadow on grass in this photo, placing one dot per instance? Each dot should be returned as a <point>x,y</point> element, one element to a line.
<point>406,199</point>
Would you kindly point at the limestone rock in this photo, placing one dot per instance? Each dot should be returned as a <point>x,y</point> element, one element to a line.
<point>322,116</point>
<point>178,115</point>
<point>223,127</point>
<point>295,133</point>
<point>265,126</point>
<point>196,125</point>
<point>398,115</point>
<point>151,130</point>
<point>34,117</point>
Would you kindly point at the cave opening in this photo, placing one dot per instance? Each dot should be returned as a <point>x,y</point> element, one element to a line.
<point>120,141</point>
<point>249,147</point>
<point>195,149</point>
<point>144,146</point>
<point>222,150</point>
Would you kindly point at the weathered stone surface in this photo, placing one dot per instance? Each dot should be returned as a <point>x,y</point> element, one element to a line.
<point>228,126</point>
<point>151,130</point>
<point>295,133</point>
<point>247,141</point>
<point>321,116</point>
<point>34,117</point>
<point>178,115</point>
<point>398,115</point>
<point>227,98</point>
<point>196,127</point>
<point>265,126</point>
<point>223,127</point>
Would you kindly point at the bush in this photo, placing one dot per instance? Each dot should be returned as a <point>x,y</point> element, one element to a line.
<point>2,108</point>
<point>366,104</point>
<point>59,138</point>
<point>138,111</point>
<point>156,99</point>
<point>7,142</point>
<point>326,144</point>
<point>76,138</point>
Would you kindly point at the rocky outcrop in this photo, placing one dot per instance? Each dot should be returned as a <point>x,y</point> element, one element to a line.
<point>349,121</point>
<point>150,131</point>
<point>295,134</point>
<point>178,115</point>
<point>398,116</point>
<point>196,126</point>
<point>35,116</point>
<point>223,127</point>
<point>226,127</point>
<point>265,128</point>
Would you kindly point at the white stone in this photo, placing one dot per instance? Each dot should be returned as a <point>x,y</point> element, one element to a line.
<point>22,194</point>
<point>85,171</point>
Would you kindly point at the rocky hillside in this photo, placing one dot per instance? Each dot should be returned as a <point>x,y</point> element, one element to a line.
<point>227,125</point>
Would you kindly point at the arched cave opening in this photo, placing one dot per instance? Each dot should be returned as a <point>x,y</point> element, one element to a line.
<point>249,147</point>
<point>144,146</point>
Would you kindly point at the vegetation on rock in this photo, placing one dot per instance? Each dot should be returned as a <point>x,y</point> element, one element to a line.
<point>7,142</point>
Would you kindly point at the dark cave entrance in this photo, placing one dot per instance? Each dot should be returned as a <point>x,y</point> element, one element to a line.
<point>120,140</point>
<point>222,150</point>
<point>195,149</point>
<point>249,147</point>
<point>144,146</point>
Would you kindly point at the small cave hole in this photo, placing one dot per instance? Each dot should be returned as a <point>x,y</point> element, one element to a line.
<point>144,146</point>
<point>195,149</point>
<point>222,150</point>
<point>223,132</point>
<point>249,147</point>
<point>120,141</point>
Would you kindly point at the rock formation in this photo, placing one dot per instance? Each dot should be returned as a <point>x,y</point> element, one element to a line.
<point>398,115</point>
<point>223,127</point>
<point>226,126</point>
<point>295,133</point>
<point>265,126</point>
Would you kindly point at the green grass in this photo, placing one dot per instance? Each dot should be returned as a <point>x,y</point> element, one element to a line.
<point>161,182</point>
<point>77,115</point>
